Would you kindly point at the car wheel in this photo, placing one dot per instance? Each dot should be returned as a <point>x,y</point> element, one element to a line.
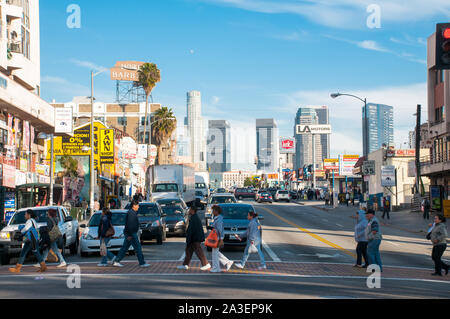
<point>4,259</point>
<point>74,247</point>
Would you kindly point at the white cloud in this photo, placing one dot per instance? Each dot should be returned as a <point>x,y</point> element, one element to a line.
<point>345,13</point>
<point>371,45</point>
<point>89,65</point>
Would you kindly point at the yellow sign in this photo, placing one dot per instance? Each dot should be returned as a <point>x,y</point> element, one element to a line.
<point>73,146</point>
<point>447,208</point>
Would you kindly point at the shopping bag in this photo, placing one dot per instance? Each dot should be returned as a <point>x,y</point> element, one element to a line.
<point>213,239</point>
<point>103,251</point>
<point>252,249</point>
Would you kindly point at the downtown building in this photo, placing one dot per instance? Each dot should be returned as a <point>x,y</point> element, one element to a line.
<point>381,126</point>
<point>218,148</point>
<point>196,131</point>
<point>23,114</point>
<point>267,146</point>
<point>311,115</point>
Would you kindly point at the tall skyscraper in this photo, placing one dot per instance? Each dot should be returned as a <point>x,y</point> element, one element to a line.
<point>311,115</point>
<point>381,126</point>
<point>267,145</point>
<point>218,148</point>
<point>194,122</point>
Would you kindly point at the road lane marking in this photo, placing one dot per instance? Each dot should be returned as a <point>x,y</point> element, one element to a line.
<point>182,257</point>
<point>315,236</point>
<point>339,225</point>
<point>270,252</point>
<point>395,244</point>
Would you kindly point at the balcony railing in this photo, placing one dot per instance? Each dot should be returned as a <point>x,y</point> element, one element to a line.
<point>438,158</point>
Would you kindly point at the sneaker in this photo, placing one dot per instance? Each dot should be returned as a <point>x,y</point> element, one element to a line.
<point>113,260</point>
<point>239,265</point>
<point>102,265</point>
<point>229,265</point>
<point>117,264</point>
<point>215,270</point>
<point>207,267</point>
<point>62,265</point>
<point>37,265</point>
<point>144,265</point>
<point>262,267</point>
<point>183,267</point>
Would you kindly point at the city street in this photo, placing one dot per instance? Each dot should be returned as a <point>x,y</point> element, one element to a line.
<point>310,254</point>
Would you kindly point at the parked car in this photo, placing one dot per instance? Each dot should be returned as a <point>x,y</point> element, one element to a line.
<point>216,199</point>
<point>173,201</point>
<point>221,191</point>
<point>282,195</point>
<point>176,219</point>
<point>11,241</point>
<point>294,194</point>
<point>258,193</point>
<point>89,243</point>
<point>265,197</point>
<point>152,222</point>
<point>242,193</point>
<point>236,223</point>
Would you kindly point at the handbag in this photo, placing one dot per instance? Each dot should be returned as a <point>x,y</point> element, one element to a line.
<point>55,232</point>
<point>110,232</point>
<point>103,251</point>
<point>212,240</point>
<point>252,249</point>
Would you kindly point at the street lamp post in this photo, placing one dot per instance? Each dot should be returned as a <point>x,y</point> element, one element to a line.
<point>365,132</point>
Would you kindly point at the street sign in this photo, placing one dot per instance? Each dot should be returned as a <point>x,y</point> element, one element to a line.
<point>369,168</point>
<point>313,129</point>
<point>388,176</point>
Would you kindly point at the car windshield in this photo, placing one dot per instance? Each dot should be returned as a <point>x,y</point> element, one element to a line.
<point>283,192</point>
<point>200,185</point>
<point>19,217</point>
<point>169,201</point>
<point>221,190</point>
<point>222,200</point>
<point>265,194</point>
<point>118,219</point>
<point>236,212</point>
<point>165,188</point>
<point>148,211</point>
<point>172,210</point>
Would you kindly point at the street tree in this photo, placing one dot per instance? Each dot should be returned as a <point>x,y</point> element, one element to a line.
<point>163,128</point>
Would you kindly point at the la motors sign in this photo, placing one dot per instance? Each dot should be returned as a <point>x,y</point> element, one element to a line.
<point>287,145</point>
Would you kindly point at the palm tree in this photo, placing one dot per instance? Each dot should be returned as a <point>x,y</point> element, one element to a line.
<point>149,75</point>
<point>165,125</point>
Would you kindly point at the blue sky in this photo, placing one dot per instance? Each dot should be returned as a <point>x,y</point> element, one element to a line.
<point>250,58</point>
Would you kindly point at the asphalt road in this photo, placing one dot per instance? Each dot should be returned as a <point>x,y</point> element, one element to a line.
<point>291,233</point>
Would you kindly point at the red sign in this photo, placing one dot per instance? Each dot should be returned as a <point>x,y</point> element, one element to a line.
<point>287,145</point>
<point>401,153</point>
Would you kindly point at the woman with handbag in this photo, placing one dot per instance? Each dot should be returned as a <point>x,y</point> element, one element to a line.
<point>217,257</point>
<point>254,241</point>
<point>105,233</point>
<point>31,242</point>
<point>438,237</point>
<point>55,236</point>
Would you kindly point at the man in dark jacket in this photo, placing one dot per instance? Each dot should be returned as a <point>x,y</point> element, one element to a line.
<point>131,237</point>
<point>194,237</point>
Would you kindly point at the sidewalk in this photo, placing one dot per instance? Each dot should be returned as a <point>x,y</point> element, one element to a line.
<point>405,220</point>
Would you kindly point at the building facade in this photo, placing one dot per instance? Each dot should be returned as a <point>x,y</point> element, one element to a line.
<point>267,145</point>
<point>436,166</point>
<point>195,126</point>
<point>304,143</point>
<point>381,126</point>
<point>218,148</point>
<point>23,114</point>
<point>235,178</point>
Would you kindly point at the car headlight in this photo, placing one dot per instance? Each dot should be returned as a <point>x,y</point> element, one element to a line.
<point>180,223</point>
<point>5,235</point>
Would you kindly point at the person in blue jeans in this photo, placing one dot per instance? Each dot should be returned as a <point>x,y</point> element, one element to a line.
<point>374,237</point>
<point>253,238</point>
<point>103,227</point>
<point>131,237</point>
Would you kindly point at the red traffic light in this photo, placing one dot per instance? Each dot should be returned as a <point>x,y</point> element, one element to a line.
<point>446,33</point>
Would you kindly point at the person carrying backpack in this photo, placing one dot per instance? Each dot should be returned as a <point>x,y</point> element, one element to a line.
<point>31,242</point>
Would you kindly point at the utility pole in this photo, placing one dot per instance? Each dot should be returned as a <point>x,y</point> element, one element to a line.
<point>418,138</point>
<point>314,160</point>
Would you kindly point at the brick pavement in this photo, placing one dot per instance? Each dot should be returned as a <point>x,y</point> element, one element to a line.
<point>273,269</point>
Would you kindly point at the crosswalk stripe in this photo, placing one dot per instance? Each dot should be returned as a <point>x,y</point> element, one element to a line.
<point>270,252</point>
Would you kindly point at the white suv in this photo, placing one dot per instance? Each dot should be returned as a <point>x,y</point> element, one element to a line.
<point>282,195</point>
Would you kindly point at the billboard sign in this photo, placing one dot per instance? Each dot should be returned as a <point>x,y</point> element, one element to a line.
<point>107,146</point>
<point>369,168</point>
<point>331,164</point>
<point>287,145</point>
<point>346,164</point>
<point>126,71</point>
<point>313,129</point>
<point>63,120</point>
<point>388,176</point>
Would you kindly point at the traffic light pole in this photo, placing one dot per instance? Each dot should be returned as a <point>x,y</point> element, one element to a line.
<point>314,160</point>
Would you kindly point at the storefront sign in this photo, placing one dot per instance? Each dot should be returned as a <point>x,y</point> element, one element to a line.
<point>107,146</point>
<point>331,164</point>
<point>313,129</point>
<point>23,165</point>
<point>21,178</point>
<point>287,145</point>
<point>401,153</point>
<point>63,120</point>
<point>346,164</point>
<point>388,176</point>
<point>446,204</point>
<point>9,176</point>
